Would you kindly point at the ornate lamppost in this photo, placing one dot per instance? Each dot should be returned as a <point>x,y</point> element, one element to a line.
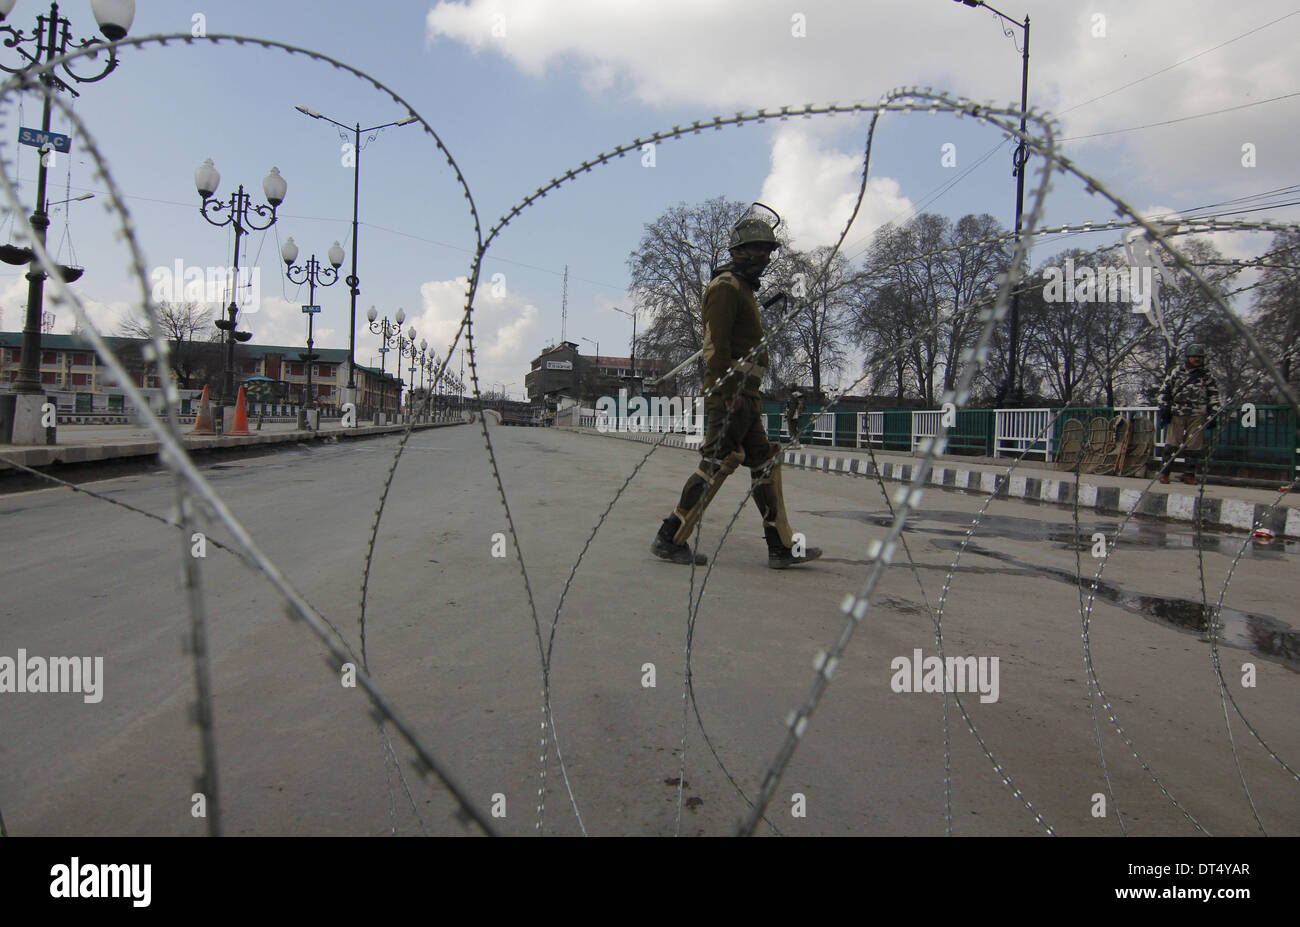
<point>51,39</point>
<point>244,217</point>
<point>312,274</point>
<point>388,334</point>
<point>431,367</point>
<point>406,346</point>
<point>424,350</point>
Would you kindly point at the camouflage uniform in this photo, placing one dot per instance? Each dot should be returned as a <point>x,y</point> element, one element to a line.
<point>793,409</point>
<point>736,429</point>
<point>731,329</point>
<point>1189,402</point>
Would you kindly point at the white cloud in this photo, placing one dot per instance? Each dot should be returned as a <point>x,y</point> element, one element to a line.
<point>278,321</point>
<point>725,54</point>
<point>13,299</point>
<point>817,187</point>
<point>504,328</point>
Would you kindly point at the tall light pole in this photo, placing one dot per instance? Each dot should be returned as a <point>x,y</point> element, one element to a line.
<point>354,282</point>
<point>244,217</point>
<point>596,369</point>
<point>313,275</point>
<point>428,366</point>
<point>388,333</point>
<point>412,353</point>
<point>424,350</point>
<point>51,39</point>
<point>1018,171</point>
<point>633,315</point>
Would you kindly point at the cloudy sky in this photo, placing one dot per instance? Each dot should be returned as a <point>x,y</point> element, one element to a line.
<point>1157,98</point>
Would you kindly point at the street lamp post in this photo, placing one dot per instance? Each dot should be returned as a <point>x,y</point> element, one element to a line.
<point>407,348</point>
<point>244,217</point>
<point>597,364</point>
<point>1018,158</point>
<point>313,275</point>
<point>434,380</point>
<point>354,282</point>
<point>51,39</point>
<point>388,333</point>
<point>424,350</point>
<point>633,315</point>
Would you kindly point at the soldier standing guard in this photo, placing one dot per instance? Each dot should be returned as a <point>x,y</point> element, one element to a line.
<point>732,328</point>
<point>794,409</point>
<point>1189,403</point>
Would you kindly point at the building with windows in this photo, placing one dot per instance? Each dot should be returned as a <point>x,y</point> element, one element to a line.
<point>562,370</point>
<point>275,374</point>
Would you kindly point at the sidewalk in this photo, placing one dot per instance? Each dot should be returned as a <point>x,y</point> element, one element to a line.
<point>1235,507</point>
<point>114,443</point>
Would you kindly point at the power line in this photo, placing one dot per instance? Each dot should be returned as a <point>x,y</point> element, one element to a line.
<point>1169,122</point>
<point>1177,63</point>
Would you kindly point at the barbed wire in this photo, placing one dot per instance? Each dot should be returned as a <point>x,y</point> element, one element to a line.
<point>190,485</point>
<point>171,452</point>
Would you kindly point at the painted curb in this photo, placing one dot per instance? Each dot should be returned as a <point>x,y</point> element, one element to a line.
<point>1239,515</point>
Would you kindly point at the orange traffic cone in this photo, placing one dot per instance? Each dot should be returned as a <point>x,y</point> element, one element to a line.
<point>203,422</point>
<point>240,424</point>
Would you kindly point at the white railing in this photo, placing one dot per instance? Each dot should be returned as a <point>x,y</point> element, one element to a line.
<point>1017,431</point>
<point>1031,432</point>
<point>824,427</point>
<point>925,425</point>
<point>871,429</point>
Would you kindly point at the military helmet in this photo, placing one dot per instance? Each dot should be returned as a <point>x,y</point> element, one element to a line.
<point>756,226</point>
<point>1195,349</point>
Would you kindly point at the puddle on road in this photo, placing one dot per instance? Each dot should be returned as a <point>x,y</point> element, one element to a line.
<point>1138,533</point>
<point>1260,634</point>
<point>1263,635</point>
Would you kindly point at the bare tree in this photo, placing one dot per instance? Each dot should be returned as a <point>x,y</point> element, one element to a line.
<point>970,275</point>
<point>1275,317</point>
<point>193,340</point>
<point>816,337</point>
<point>670,269</point>
<point>1059,332</point>
<point>1189,315</point>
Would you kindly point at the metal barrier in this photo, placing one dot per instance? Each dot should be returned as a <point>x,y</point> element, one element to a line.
<point>1024,431</point>
<point>1264,437</point>
<point>823,429</point>
<point>871,429</point>
<point>1270,442</point>
<point>925,425</point>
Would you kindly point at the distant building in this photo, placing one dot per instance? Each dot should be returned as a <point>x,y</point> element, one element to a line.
<point>561,370</point>
<point>276,374</point>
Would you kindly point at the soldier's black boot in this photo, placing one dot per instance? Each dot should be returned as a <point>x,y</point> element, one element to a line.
<point>779,556</point>
<point>664,548</point>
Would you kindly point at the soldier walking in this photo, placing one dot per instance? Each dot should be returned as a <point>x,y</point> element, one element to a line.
<point>1189,404</point>
<point>793,409</point>
<point>732,328</point>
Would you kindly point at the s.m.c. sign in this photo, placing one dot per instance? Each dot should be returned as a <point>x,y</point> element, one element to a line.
<point>38,139</point>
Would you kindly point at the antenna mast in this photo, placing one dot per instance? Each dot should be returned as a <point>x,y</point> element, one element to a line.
<point>564,306</point>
